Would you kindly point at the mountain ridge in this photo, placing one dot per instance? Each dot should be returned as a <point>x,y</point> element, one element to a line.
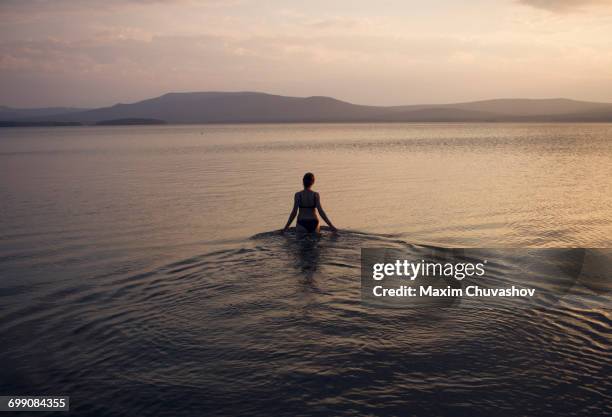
<point>257,107</point>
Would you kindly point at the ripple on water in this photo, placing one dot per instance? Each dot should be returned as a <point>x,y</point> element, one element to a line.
<point>275,326</point>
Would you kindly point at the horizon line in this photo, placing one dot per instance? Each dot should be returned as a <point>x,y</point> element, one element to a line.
<point>303,97</point>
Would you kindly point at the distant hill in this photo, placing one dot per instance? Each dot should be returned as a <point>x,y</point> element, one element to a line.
<point>251,107</point>
<point>26,123</point>
<point>11,113</point>
<point>212,107</point>
<point>521,107</point>
<point>441,114</point>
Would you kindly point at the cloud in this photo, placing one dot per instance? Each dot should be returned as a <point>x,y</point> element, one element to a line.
<point>11,9</point>
<point>337,22</point>
<point>99,52</point>
<point>564,6</point>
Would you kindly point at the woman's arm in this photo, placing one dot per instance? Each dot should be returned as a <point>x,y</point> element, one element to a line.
<point>323,215</point>
<point>293,213</point>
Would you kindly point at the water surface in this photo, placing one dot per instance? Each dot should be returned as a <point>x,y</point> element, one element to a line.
<point>139,271</point>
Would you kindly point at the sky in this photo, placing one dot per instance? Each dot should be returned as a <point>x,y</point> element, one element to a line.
<point>92,53</point>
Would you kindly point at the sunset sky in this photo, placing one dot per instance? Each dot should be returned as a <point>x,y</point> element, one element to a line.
<point>95,53</point>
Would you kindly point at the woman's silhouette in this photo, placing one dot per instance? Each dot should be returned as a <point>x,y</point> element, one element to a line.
<point>307,201</point>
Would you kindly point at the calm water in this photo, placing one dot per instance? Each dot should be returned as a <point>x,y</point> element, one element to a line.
<point>139,273</point>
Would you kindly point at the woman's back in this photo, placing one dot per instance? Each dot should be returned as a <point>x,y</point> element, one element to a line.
<point>307,203</point>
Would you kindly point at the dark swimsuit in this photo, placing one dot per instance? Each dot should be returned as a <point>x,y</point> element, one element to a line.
<point>309,224</point>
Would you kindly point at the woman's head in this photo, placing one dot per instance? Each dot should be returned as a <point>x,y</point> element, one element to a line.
<point>308,179</point>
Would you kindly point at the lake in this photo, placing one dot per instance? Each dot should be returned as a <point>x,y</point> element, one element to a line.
<point>141,274</point>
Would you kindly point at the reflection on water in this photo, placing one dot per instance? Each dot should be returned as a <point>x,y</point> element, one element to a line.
<point>483,185</point>
<point>276,323</point>
<point>135,277</point>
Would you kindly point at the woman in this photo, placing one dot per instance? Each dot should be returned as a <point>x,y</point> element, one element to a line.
<point>307,201</point>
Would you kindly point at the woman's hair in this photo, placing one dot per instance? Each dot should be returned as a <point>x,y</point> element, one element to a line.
<point>308,179</point>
